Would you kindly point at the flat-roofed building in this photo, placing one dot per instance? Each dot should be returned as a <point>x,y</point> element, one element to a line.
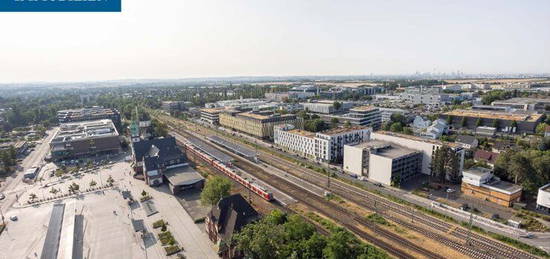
<point>481,183</point>
<point>386,113</point>
<point>325,106</point>
<point>367,116</point>
<point>426,146</point>
<point>85,138</point>
<point>424,95</point>
<point>89,114</point>
<point>258,124</point>
<point>382,161</point>
<point>211,115</point>
<point>543,198</point>
<point>503,121</point>
<point>326,146</point>
<point>173,106</point>
<point>530,104</point>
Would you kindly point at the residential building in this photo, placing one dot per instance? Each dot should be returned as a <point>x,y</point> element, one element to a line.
<point>503,145</point>
<point>386,113</point>
<point>486,131</point>
<point>161,160</point>
<point>468,142</point>
<point>227,218</point>
<point>486,156</point>
<point>89,114</point>
<point>278,97</point>
<point>170,106</point>
<point>528,104</point>
<point>258,124</point>
<point>211,115</point>
<point>419,124</point>
<point>424,95</point>
<point>481,183</point>
<point>426,146</point>
<point>366,116</point>
<point>324,146</point>
<point>382,162</point>
<point>526,122</point>
<point>435,130</point>
<point>84,138</point>
<point>19,146</point>
<point>325,106</point>
<point>543,198</point>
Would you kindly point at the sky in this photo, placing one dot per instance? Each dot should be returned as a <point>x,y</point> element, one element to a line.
<point>170,39</point>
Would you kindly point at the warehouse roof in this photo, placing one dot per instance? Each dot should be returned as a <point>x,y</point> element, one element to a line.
<point>510,116</point>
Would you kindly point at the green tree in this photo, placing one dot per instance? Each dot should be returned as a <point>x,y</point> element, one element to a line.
<point>463,122</point>
<point>215,189</point>
<point>478,122</point>
<point>408,130</point>
<point>93,183</point>
<point>445,165</point>
<point>334,122</point>
<point>396,127</point>
<point>32,197</point>
<point>541,128</point>
<point>110,180</point>
<point>337,106</point>
<point>347,124</point>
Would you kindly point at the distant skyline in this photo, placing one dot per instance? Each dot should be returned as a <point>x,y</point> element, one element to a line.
<point>183,39</point>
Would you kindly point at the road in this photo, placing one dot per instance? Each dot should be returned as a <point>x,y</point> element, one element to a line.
<point>35,159</point>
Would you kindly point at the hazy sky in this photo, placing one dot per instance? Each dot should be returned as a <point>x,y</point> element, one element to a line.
<point>180,38</point>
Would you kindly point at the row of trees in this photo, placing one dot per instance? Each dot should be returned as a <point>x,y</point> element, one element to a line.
<point>397,124</point>
<point>279,235</point>
<point>7,159</point>
<point>529,168</point>
<point>445,165</point>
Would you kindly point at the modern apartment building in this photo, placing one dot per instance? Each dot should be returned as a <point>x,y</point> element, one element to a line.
<point>88,114</point>
<point>326,146</point>
<point>423,95</point>
<point>85,138</point>
<point>386,113</point>
<point>426,146</point>
<point>325,106</point>
<point>382,162</point>
<point>258,124</point>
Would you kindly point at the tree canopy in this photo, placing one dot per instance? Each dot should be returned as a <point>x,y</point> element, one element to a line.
<point>215,189</point>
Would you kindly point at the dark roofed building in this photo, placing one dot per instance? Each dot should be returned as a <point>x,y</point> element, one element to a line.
<point>487,156</point>
<point>230,215</point>
<point>161,147</point>
<point>467,141</point>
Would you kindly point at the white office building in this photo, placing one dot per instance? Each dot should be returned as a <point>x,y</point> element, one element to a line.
<point>543,198</point>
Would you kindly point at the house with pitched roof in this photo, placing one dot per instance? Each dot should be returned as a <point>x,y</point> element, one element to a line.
<point>228,217</point>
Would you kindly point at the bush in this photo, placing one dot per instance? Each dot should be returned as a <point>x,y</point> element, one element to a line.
<point>159,223</point>
<point>376,218</point>
<point>166,238</point>
<point>170,250</point>
<point>163,228</point>
<point>199,220</point>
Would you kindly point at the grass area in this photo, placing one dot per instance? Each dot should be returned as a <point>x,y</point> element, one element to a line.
<point>327,224</point>
<point>166,238</point>
<point>376,218</point>
<point>170,250</point>
<point>159,223</point>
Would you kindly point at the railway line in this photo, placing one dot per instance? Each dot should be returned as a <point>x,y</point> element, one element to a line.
<point>451,235</point>
<point>338,214</point>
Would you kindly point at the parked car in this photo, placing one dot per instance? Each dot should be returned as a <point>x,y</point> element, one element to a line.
<point>13,218</point>
<point>2,196</point>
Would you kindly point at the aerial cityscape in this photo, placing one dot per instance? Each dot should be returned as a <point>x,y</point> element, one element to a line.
<point>288,129</point>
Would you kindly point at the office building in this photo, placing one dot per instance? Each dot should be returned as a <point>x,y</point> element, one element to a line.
<point>326,146</point>
<point>211,115</point>
<point>84,138</point>
<point>258,124</point>
<point>426,146</point>
<point>386,113</point>
<point>382,162</point>
<point>89,114</point>
<point>366,116</point>
<point>481,183</point>
<point>528,104</point>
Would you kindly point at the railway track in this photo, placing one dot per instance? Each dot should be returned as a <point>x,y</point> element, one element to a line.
<point>490,248</point>
<point>336,213</point>
<point>433,228</point>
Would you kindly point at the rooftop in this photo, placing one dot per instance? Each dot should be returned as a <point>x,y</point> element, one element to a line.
<point>386,149</point>
<point>262,116</point>
<point>365,108</point>
<point>523,100</point>
<point>183,175</point>
<point>415,138</point>
<point>516,116</point>
<point>212,110</point>
<point>339,130</point>
<point>304,133</point>
<point>478,171</point>
<point>85,130</point>
<point>502,186</point>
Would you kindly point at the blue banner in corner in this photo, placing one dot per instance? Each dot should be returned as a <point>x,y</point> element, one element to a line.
<point>60,5</point>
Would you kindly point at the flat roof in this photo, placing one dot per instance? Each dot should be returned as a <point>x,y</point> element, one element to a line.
<point>304,133</point>
<point>239,149</point>
<point>523,100</point>
<point>516,116</point>
<point>82,130</point>
<point>364,108</point>
<point>502,186</point>
<point>342,130</point>
<point>183,175</point>
<point>479,171</point>
<point>416,138</point>
<point>212,110</point>
<point>207,148</point>
<point>395,151</point>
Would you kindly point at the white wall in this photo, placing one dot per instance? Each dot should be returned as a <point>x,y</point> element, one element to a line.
<point>380,169</point>
<point>353,160</point>
<point>543,198</point>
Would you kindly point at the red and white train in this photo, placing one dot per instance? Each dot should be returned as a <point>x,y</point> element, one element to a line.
<point>228,170</point>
